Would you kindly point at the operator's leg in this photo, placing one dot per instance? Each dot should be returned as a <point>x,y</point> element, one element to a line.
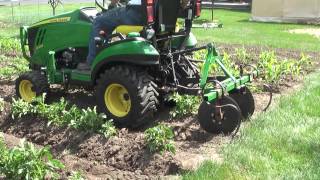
<point>106,22</point>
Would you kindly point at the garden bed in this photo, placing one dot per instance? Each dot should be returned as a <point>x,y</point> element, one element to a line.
<point>126,155</point>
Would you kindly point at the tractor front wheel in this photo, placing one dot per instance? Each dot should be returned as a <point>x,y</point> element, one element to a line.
<point>127,95</point>
<point>31,84</point>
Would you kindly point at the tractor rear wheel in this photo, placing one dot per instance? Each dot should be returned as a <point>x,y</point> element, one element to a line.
<point>31,84</point>
<point>127,95</point>
<point>222,116</point>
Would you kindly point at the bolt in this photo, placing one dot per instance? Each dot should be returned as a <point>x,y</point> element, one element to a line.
<point>126,97</point>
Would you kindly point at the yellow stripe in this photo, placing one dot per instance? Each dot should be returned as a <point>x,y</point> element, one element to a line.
<point>55,20</point>
<point>126,29</point>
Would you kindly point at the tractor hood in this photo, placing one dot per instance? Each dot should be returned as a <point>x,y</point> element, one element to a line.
<point>66,30</point>
<point>84,14</point>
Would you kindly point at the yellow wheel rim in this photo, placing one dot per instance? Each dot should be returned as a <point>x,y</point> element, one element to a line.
<point>117,100</point>
<point>25,90</point>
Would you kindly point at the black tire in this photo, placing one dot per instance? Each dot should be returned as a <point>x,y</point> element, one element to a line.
<point>142,93</point>
<point>245,100</point>
<point>38,80</point>
<point>231,116</point>
<point>185,70</point>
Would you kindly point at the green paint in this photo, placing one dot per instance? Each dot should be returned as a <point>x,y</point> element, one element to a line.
<point>211,94</point>
<point>60,35</point>
<point>136,47</point>
<point>190,42</point>
<point>69,30</point>
<point>80,76</point>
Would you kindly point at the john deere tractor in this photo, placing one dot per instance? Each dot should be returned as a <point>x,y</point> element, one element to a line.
<point>136,67</point>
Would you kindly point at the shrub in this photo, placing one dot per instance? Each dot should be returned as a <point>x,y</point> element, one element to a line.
<point>160,139</point>
<point>28,162</point>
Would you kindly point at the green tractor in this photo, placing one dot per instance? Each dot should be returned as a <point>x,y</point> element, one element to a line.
<point>136,67</point>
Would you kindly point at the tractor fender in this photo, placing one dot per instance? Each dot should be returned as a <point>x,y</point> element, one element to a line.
<point>134,51</point>
<point>190,41</point>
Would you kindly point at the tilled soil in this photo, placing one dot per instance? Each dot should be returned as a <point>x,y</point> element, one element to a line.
<point>123,156</point>
<point>126,152</point>
<point>126,155</point>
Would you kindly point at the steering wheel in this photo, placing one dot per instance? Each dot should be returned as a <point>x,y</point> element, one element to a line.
<point>110,7</point>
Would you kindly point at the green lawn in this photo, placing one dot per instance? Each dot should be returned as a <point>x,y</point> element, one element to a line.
<point>280,144</point>
<point>237,27</point>
<point>239,30</point>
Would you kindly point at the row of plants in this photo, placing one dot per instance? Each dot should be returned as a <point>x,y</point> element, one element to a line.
<point>272,69</point>
<point>11,67</point>
<point>9,46</point>
<point>158,138</point>
<point>28,162</point>
<point>275,70</point>
<point>63,114</point>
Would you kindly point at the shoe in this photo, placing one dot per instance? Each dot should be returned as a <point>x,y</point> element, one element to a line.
<point>83,66</point>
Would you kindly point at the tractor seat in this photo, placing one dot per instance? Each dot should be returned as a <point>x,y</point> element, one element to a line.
<point>163,17</point>
<point>148,18</point>
<point>126,29</point>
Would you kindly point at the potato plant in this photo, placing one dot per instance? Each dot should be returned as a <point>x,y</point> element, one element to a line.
<point>108,129</point>
<point>28,162</point>
<point>185,105</point>
<point>160,139</point>
<point>21,108</point>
